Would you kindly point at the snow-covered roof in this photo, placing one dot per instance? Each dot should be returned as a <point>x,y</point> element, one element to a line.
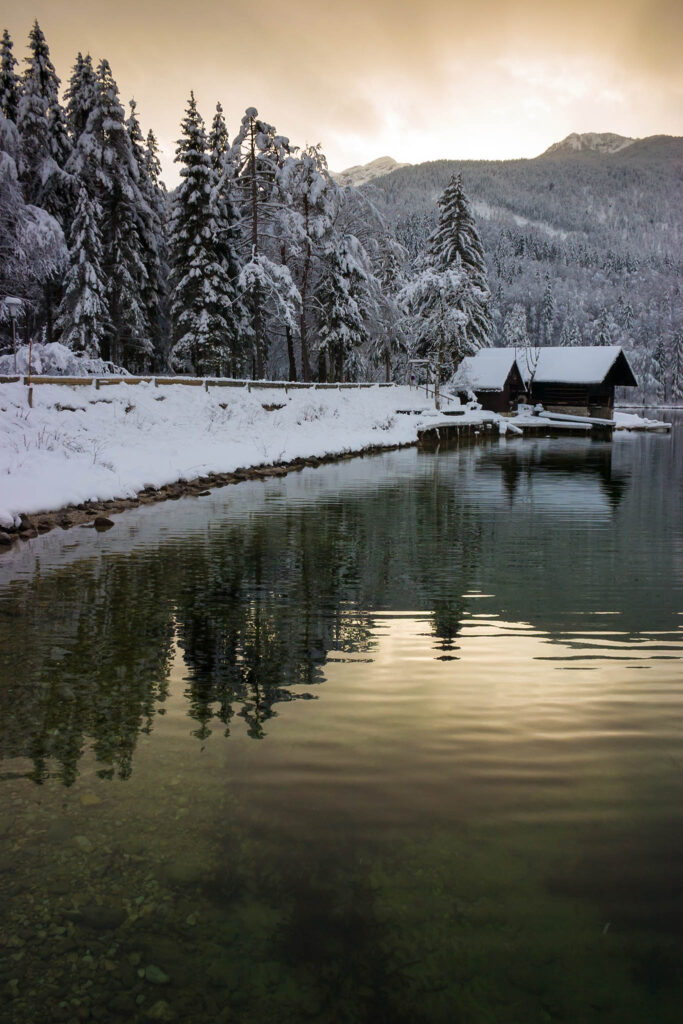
<point>487,370</point>
<point>580,364</point>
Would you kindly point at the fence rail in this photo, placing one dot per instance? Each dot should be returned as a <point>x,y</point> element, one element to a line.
<point>205,382</point>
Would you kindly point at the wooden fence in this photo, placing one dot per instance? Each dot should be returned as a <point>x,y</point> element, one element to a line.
<point>205,382</point>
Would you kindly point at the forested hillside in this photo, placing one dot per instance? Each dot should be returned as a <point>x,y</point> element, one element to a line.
<point>262,264</point>
<point>588,244</point>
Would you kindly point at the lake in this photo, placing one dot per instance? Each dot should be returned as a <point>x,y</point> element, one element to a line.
<point>396,739</point>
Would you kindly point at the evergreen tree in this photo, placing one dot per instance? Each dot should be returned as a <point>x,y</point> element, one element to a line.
<point>45,150</point>
<point>570,334</point>
<point>227,241</point>
<point>514,328</point>
<point>605,330</point>
<point>341,325</point>
<point>219,142</point>
<point>309,201</point>
<point>111,168</point>
<point>547,319</point>
<point>83,313</point>
<point>81,99</point>
<point>42,123</point>
<point>161,325</point>
<point>676,364</point>
<point>456,242</point>
<point>258,154</point>
<point>151,230</point>
<point>202,334</point>
<point>9,81</point>
<point>389,343</point>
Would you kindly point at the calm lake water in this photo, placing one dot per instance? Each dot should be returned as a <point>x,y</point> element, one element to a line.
<point>393,740</point>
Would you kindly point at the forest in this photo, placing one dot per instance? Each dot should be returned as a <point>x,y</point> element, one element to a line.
<point>260,264</point>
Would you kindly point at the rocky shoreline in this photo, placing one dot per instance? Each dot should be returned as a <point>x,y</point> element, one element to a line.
<point>95,514</point>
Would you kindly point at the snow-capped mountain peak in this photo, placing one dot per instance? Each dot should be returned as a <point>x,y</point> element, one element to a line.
<point>360,174</point>
<point>589,142</point>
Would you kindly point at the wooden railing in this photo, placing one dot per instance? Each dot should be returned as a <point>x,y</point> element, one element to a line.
<point>205,382</point>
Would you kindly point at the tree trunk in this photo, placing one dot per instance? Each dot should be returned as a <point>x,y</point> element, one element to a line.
<point>258,326</point>
<point>290,354</point>
<point>322,367</point>
<point>387,365</point>
<point>305,361</point>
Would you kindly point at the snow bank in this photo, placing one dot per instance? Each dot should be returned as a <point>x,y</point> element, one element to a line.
<point>55,360</point>
<point>631,421</point>
<point>79,444</point>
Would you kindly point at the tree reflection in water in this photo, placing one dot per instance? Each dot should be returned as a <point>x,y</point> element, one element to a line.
<point>256,604</point>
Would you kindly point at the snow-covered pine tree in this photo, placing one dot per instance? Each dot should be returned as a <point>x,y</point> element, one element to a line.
<point>226,241</point>
<point>440,305</point>
<point>570,334</point>
<point>202,334</point>
<point>9,80</point>
<point>32,248</point>
<point>81,99</point>
<point>151,225</point>
<point>309,203</point>
<point>388,343</point>
<point>258,154</point>
<point>111,168</point>
<point>45,151</point>
<point>340,296</point>
<point>161,330</point>
<point>45,140</point>
<point>676,364</point>
<point>515,328</point>
<point>456,243</point>
<point>218,141</point>
<point>83,314</point>
<point>547,319</point>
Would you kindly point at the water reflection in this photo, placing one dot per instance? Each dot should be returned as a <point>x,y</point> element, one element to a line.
<point>256,601</point>
<point>465,671</point>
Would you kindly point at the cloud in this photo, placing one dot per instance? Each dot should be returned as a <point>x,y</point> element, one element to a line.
<point>417,80</point>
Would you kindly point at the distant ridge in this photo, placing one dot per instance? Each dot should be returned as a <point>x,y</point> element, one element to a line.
<point>361,174</point>
<point>589,142</point>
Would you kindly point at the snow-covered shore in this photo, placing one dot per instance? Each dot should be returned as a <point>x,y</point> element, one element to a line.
<point>79,444</point>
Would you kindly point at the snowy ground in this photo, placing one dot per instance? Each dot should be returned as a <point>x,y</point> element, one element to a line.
<point>79,444</point>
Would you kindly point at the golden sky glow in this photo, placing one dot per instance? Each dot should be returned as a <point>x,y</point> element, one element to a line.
<point>414,80</point>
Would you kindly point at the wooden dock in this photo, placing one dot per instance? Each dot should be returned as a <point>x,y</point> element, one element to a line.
<point>453,431</point>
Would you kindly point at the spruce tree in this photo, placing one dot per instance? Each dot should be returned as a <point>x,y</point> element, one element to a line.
<point>341,324</point>
<point>202,335</point>
<point>113,171</point>
<point>45,148</point>
<point>547,313</point>
<point>227,240</point>
<point>81,98</point>
<point>151,231</point>
<point>83,314</point>
<point>259,153</point>
<point>46,142</point>
<point>9,81</point>
<point>456,241</point>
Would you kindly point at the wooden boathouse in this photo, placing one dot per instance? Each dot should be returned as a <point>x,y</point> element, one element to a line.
<point>493,376</point>
<point>576,380</point>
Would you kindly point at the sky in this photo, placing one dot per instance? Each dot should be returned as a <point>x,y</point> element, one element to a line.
<point>413,79</point>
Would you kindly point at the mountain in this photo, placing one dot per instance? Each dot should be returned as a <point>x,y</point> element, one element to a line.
<point>590,238</point>
<point>361,174</point>
<point>589,142</point>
